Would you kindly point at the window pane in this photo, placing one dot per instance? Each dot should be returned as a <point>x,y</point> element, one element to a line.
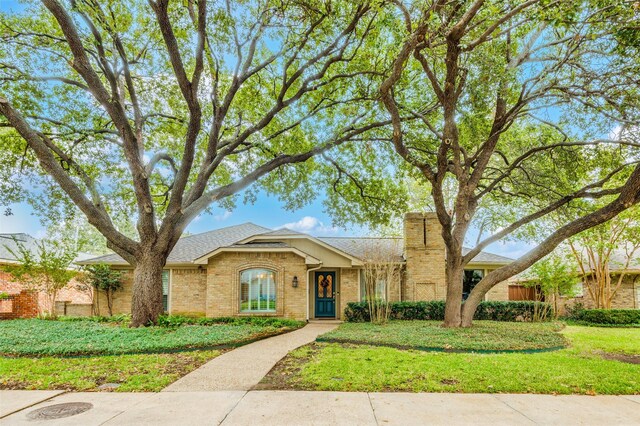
<point>165,290</point>
<point>257,290</point>
<point>381,287</point>
<point>471,278</point>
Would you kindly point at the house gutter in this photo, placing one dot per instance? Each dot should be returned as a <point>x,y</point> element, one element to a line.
<point>308,278</point>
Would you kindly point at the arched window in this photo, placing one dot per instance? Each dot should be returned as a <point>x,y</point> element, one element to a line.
<point>257,290</point>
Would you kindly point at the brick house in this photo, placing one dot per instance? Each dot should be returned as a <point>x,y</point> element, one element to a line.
<point>628,294</point>
<point>251,270</point>
<point>24,302</point>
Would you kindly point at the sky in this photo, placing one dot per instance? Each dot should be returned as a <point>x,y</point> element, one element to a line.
<point>266,211</point>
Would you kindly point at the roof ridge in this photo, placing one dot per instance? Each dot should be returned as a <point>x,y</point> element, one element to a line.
<point>226,227</point>
<point>367,238</point>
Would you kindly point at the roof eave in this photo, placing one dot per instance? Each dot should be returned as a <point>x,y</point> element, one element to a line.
<point>354,260</point>
<point>308,259</point>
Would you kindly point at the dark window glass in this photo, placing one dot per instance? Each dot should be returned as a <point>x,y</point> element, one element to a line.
<point>471,278</point>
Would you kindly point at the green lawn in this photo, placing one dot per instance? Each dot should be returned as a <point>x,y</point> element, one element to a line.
<point>37,337</point>
<point>134,373</point>
<point>82,355</point>
<point>580,368</point>
<point>485,335</point>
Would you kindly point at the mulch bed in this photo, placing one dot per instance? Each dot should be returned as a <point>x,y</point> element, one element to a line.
<point>630,359</point>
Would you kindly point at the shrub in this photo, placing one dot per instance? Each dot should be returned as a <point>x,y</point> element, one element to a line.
<point>178,320</point>
<point>122,319</point>
<point>434,310</point>
<point>608,316</point>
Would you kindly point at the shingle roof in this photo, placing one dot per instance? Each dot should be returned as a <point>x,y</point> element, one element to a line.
<point>366,247</point>
<point>618,260</point>
<point>486,257</point>
<point>8,242</point>
<point>282,232</point>
<point>196,246</point>
<point>192,247</point>
<point>363,247</point>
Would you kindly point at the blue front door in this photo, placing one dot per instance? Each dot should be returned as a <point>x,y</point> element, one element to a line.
<point>325,291</point>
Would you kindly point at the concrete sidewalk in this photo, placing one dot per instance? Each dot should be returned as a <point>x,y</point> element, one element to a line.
<point>320,408</point>
<point>244,367</point>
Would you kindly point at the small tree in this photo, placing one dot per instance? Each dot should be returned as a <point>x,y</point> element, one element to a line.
<point>555,278</point>
<point>45,269</point>
<point>614,243</point>
<point>102,278</point>
<point>381,269</point>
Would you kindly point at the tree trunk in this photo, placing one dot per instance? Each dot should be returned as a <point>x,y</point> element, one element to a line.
<point>469,310</point>
<point>146,302</point>
<point>454,278</point>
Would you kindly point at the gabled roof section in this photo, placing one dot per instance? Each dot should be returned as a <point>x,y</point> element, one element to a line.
<point>283,232</point>
<point>189,248</point>
<point>286,233</point>
<point>271,247</point>
<point>487,258</point>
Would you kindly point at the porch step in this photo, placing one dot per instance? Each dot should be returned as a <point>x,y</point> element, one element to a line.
<point>325,321</point>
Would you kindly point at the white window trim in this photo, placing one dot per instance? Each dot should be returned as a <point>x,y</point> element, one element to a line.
<point>275,284</point>
<point>168,311</point>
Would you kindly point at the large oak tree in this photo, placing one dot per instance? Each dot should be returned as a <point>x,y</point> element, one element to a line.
<point>152,111</point>
<point>514,102</point>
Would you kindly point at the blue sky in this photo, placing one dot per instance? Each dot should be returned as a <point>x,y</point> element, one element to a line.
<point>266,211</point>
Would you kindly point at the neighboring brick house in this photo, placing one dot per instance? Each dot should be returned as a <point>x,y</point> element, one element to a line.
<point>24,302</point>
<point>628,294</point>
<point>251,270</point>
<point>626,297</point>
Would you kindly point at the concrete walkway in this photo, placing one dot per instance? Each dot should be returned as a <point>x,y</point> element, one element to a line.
<point>244,367</point>
<point>322,408</point>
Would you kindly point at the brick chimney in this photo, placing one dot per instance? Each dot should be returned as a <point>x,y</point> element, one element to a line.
<point>424,252</point>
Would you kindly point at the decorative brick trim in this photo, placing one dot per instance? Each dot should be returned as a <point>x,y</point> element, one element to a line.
<point>259,264</point>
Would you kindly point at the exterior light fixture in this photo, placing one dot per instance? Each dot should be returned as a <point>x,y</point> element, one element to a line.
<point>294,283</point>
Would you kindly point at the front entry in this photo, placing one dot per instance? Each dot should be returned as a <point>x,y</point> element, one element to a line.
<point>325,291</point>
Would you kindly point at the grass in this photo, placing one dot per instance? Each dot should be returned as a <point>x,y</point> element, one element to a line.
<point>134,373</point>
<point>36,337</point>
<point>582,368</point>
<point>611,340</point>
<point>82,354</point>
<point>484,336</point>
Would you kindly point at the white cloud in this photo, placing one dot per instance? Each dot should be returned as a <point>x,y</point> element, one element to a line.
<point>310,225</point>
<point>615,133</point>
<point>224,216</point>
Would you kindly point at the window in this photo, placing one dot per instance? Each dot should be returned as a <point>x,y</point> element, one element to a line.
<point>381,287</point>
<point>165,290</point>
<point>257,290</point>
<point>471,278</point>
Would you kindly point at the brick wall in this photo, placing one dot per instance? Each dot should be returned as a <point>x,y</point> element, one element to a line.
<point>499,292</point>
<point>21,305</point>
<point>625,297</point>
<point>349,286</point>
<point>74,309</point>
<point>223,283</point>
<point>425,256</point>
<point>121,298</point>
<point>188,291</point>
